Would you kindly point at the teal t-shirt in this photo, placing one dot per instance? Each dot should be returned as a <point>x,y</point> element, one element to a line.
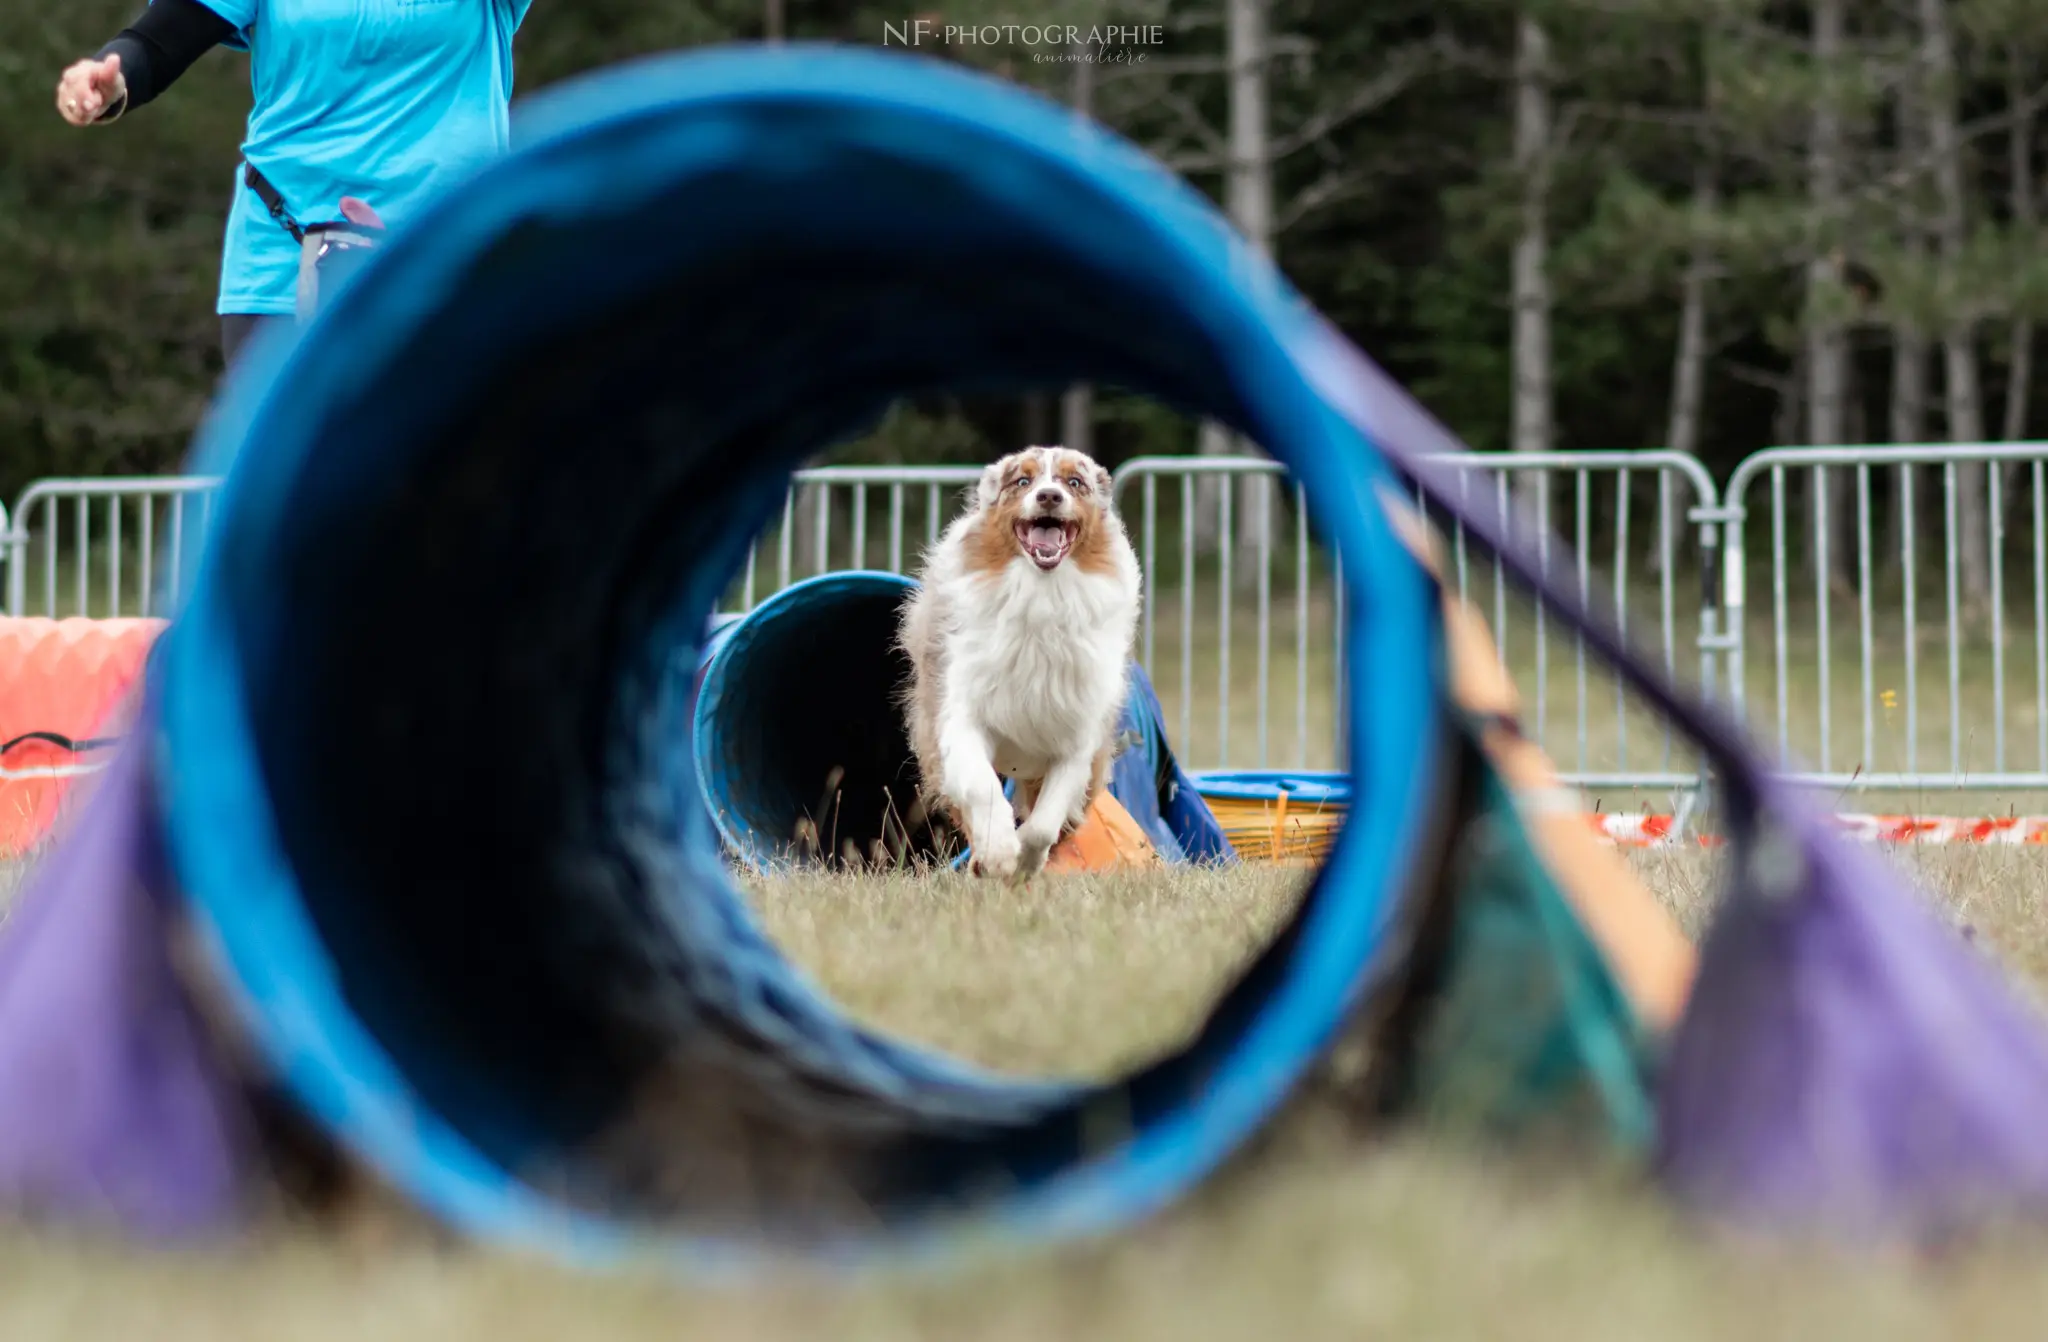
<point>386,100</point>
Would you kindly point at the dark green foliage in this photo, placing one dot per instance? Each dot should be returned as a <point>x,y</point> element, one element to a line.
<point>1394,201</point>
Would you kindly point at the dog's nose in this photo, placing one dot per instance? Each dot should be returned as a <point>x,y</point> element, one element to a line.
<point>1049,498</point>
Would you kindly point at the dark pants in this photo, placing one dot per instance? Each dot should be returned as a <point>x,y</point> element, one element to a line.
<point>237,327</point>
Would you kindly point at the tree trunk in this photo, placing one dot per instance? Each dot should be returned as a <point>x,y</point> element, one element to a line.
<point>1829,410</point>
<point>1958,338</point>
<point>1966,425</point>
<point>771,20</point>
<point>1532,428</point>
<point>1789,417</point>
<point>1908,418</point>
<point>1827,347</point>
<point>1077,419</point>
<point>1843,545</point>
<point>2019,378</point>
<point>1688,368</point>
<point>1077,407</point>
<point>1249,198</point>
<point>1250,185</point>
<point>1826,350</point>
<point>1037,420</point>
<point>804,534</point>
<point>1842,542</point>
<point>1908,425</point>
<point>1827,375</point>
<point>2020,372</point>
<point>1251,209</point>
<point>1908,412</point>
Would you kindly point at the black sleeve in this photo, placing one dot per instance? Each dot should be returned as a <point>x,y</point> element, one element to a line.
<point>162,44</point>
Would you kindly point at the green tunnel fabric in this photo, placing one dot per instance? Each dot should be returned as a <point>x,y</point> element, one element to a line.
<point>1511,1024</point>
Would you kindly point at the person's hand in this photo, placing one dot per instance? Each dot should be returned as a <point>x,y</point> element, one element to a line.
<point>89,88</point>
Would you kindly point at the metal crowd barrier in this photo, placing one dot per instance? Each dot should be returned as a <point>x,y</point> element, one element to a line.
<point>912,505</point>
<point>1650,515</point>
<point>1244,607</point>
<point>91,547</point>
<point>1846,546</point>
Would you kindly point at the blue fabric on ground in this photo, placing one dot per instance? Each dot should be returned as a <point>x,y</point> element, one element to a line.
<point>1158,793</point>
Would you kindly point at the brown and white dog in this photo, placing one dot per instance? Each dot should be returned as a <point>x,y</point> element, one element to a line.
<point>1019,639</point>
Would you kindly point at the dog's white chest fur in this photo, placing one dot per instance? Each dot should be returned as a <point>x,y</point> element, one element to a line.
<point>1043,656</point>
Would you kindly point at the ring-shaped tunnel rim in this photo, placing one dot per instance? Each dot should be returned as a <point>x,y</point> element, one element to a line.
<point>229,856</point>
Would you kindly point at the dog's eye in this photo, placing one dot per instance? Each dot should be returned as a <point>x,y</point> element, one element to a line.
<point>1020,482</point>
<point>1074,483</point>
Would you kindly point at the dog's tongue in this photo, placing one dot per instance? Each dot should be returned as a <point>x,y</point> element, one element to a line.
<point>1048,540</point>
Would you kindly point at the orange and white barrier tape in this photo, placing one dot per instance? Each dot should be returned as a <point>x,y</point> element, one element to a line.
<point>1274,832</point>
<point>1650,831</point>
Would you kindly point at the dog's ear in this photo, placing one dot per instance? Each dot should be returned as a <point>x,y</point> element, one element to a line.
<point>991,486</point>
<point>1105,483</point>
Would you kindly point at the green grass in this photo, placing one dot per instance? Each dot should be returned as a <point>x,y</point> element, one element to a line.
<point>1325,1231</point>
<point>1007,978</point>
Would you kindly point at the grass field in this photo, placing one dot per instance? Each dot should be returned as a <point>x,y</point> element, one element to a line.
<point>1325,1233</point>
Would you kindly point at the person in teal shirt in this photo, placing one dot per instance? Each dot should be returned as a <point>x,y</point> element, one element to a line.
<point>385,101</point>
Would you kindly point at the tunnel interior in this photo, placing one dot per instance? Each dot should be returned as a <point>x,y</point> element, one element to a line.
<point>803,753</point>
<point>443,646</point>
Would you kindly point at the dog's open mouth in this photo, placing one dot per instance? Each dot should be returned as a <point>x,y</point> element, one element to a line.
<point>1046,540</point>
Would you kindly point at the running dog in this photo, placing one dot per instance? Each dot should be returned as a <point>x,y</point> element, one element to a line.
<point>1019,639</point>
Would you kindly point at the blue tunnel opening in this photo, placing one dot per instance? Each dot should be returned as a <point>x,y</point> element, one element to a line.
<point>803,757</point>
<point>426,713</point>
<point>802,751</point>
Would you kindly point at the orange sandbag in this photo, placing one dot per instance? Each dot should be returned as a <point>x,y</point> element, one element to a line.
<point>1106,840</point>
<point>69,678</point>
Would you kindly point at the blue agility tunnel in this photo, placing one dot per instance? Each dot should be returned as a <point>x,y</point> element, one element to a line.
<point>563,403</point>
<point>802,755</point>
<point>421,729</point>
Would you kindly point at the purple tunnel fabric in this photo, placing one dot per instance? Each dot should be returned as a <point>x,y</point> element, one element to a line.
<point>1847,1064</point>
<point>115,1105</point>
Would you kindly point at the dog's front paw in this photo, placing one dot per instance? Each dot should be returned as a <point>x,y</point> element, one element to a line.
<point>1033,846</point>
<point>996,854</point>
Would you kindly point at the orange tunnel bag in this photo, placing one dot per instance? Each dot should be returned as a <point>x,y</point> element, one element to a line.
<point>1107,839</point>
<point>70,678</point>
